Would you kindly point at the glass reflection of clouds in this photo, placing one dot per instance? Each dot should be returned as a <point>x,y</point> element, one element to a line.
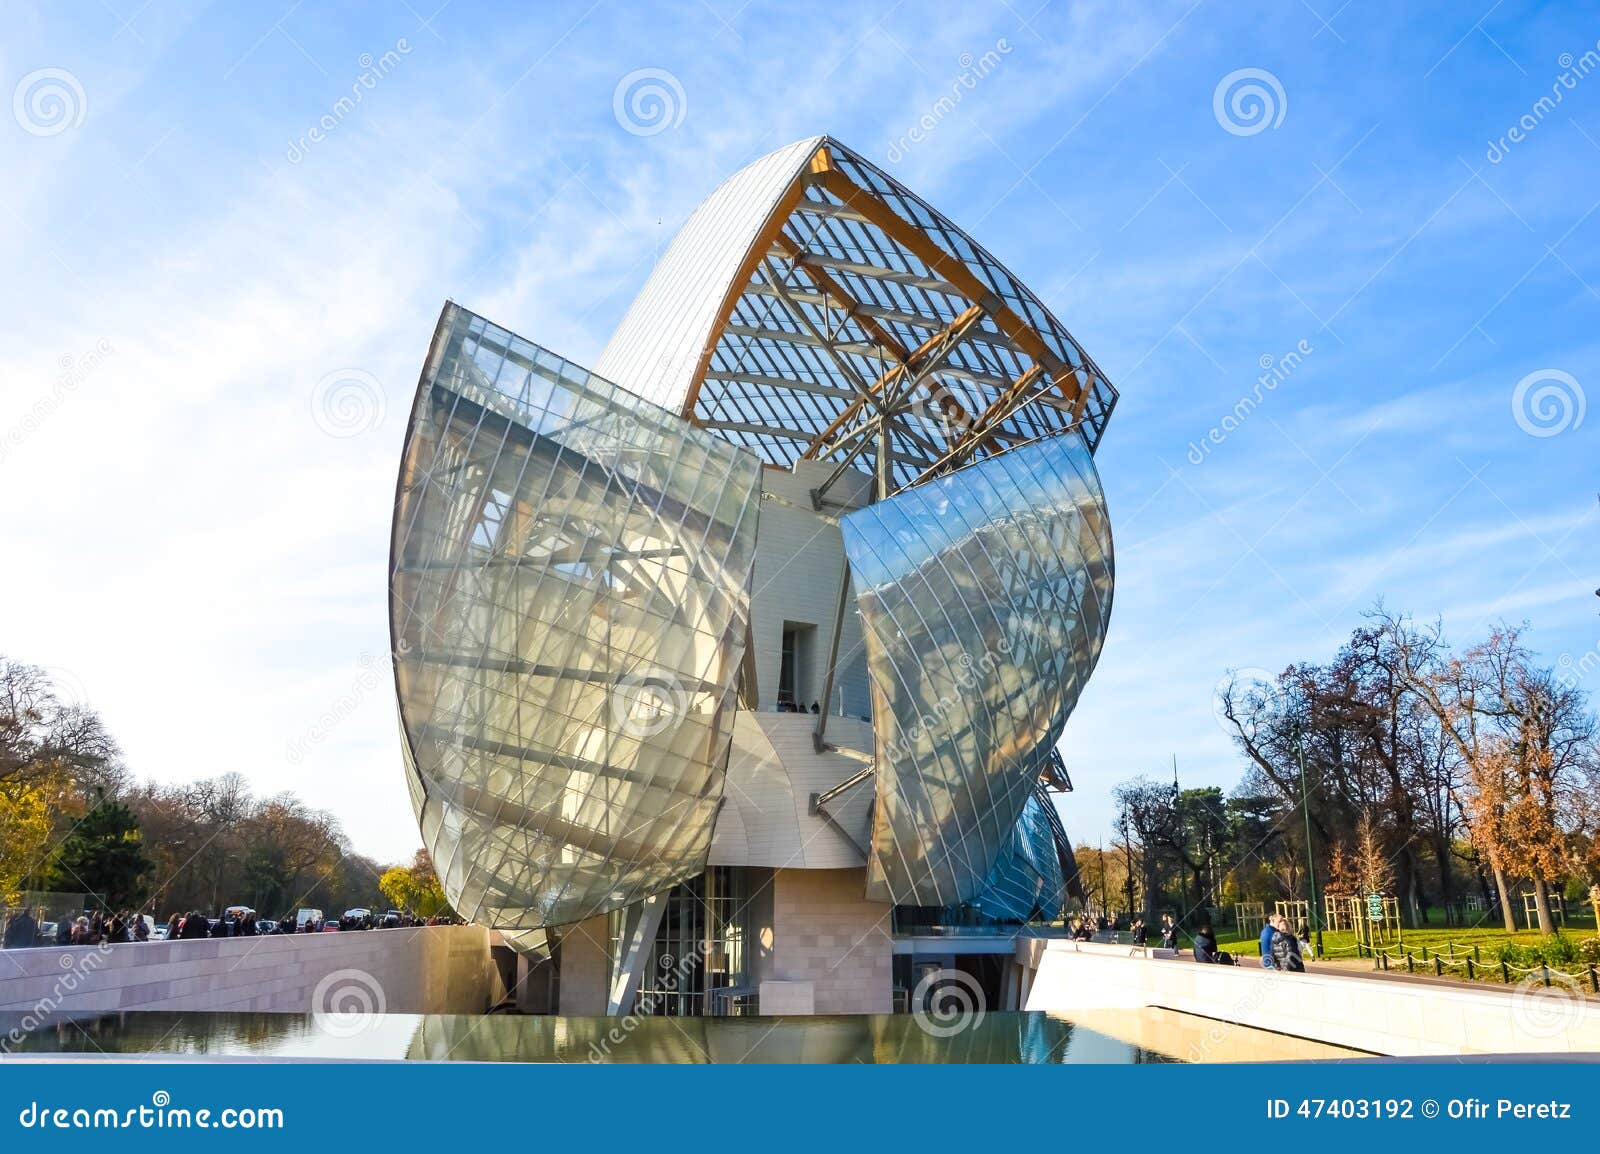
<point>985,594</point>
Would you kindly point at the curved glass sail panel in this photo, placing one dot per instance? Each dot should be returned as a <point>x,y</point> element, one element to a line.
<point>1026,881</point>
<point>984,596</point>
<point>569,599</point>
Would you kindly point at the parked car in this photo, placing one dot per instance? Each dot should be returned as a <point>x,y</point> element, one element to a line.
<point>357,919</point>
<point>267,925</point>
<point>47,933</point>
<point>304,916</point>
<point>159,933</point>
<point>391,920</point>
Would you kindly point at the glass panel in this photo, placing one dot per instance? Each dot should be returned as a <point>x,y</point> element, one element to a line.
<point>985,596</point>
<point>569,605</point>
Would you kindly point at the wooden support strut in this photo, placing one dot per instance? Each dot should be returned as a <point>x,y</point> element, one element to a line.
<point>941,263</point>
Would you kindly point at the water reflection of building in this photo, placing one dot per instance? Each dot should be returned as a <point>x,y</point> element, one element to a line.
<point>728,670</point>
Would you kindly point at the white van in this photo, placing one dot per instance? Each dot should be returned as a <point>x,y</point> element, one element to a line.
<point>303,916</point>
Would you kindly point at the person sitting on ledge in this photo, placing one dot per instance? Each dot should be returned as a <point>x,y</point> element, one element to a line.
<point>1205,947</point>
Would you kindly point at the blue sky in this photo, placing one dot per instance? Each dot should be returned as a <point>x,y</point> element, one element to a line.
<point>196,541</point>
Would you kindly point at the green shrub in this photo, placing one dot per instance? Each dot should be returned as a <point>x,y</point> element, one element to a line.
<point>1559,950</point>
<point>1512,953</point>
<point>1589,950</point>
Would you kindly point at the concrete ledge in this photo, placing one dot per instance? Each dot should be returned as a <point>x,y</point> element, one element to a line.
<point>1381,1016</point>
<point>434,969</point>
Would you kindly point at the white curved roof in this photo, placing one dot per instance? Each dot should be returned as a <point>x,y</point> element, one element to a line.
<point>656,348</point>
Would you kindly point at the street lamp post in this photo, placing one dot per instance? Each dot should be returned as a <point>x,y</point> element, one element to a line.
<point>1311,864</point>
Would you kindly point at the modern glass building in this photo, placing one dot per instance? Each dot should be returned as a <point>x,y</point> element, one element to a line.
<point>720,664</point>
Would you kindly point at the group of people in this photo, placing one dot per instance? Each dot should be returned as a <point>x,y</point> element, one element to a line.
<point>194,924</point>
<point>1280,946</point>
<point>22,929</point>
<point>1084,929</point>
<point>90,929</point>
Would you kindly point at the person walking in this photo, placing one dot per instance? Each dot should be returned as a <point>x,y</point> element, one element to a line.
<point>1169,932</point>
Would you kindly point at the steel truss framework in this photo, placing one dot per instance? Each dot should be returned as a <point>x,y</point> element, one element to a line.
<point>862,327</point>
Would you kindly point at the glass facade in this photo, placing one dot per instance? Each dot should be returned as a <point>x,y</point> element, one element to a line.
<point>984,596</point>
<point>569,596</point>
<point>1026,882</point>
<point>696,966</point>
<point>571,573</point>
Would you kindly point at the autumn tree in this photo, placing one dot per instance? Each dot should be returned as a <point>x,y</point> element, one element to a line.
<point>24,833</point>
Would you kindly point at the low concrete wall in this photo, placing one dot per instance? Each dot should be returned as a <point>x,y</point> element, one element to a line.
<point>1382,1016</point>
<point>434,969</point>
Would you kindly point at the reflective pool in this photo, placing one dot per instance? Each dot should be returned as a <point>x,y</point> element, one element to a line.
<point>1029,1038</point>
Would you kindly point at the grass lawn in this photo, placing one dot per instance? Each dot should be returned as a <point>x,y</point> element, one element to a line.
<point>1453,944</point>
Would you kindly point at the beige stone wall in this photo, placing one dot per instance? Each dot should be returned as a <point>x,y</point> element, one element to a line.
<point>826,933</point>
<point>438,969</point>
<point>585,967</point>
